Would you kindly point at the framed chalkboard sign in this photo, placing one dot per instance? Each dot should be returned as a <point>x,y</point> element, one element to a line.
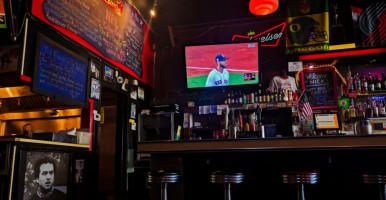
<point>60,73</point>
<point>320,87</point>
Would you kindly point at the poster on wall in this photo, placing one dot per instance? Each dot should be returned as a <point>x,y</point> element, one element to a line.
<point>2,15</point>
<point>368,21</point>
<point>95,89</point>
<point>44,171</point>
<point>112,29</point>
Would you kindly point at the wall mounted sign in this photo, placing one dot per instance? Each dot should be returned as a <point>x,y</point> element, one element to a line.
<point>112,29</point>
<point>320,87</point>
<point>295,66</point>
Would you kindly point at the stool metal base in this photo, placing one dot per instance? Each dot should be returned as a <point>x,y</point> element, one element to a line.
<point>164,178</point>
<point>226,179</point>
<point>378,179</point>
<point>300,178</point>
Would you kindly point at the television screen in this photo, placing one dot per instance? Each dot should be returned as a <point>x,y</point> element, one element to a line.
<point>60,73</point>
<point>43,175</point>
<point>222,64</point>
<point>2,15</point>
<point>327,121</point>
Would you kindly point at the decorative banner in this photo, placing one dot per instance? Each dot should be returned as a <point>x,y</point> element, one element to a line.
<point>307,26</point>
<point>112,29</point>
<point>369,21</point>
<point>2,15</point>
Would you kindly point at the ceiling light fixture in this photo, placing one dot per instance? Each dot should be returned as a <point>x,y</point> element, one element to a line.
<point>263,7</point>
<point>152,13</point>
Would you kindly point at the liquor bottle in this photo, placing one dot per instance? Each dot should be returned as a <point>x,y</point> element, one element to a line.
<point>295,127</point>
<point>352,113</point>
<point>371,86</point>
<point>376,110</point>
<point>256,98</point>
<point>268,96</point>
<point>240,98</point>
<point>252,98</point>
<point>383,81</point>
<point>357,83</point>
<point>229,98</point>
<point>246,127</point>
<point>276,97</point>
<point>364,84</point>
<point>382,109</point>
<point>281,96</point>
<point>232,98</point>
<point>378,85</point>
<point>240,118</point>
<point>350,83</point>
<point>360,112</point>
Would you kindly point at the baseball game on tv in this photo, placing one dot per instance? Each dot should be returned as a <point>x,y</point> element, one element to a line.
<point>222,64</point>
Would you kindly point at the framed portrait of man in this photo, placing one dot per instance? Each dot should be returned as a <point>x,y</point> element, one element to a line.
<point>43,175</point>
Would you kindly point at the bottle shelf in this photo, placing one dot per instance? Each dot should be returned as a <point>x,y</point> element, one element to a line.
<point>383,92</point>
<point>249,106</point>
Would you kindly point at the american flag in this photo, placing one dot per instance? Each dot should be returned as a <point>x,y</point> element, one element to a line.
<point>304,107</point>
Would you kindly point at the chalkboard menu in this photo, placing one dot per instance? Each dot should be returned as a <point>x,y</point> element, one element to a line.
<point>59,73</point>
<point>320,88</point>
<point>113,28</point>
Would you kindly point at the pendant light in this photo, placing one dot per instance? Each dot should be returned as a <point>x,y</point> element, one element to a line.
<point>263,7</point>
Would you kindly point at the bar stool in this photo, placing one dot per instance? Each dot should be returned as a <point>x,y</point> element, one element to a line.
<point>226,178</point>
<point>377,179</point>
<point>300,178</point>
<point>164,178</point>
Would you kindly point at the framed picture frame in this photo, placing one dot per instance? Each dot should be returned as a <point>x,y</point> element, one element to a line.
<point>320,87</point>
<point>43,174</point>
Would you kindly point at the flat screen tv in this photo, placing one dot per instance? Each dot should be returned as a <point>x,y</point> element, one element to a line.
<point>222,64</point>
<point>60,73</point>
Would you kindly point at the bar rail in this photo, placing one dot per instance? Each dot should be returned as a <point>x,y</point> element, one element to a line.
<point>266,144</point>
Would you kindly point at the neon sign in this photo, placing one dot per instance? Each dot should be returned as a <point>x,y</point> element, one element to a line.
<point>268,38</point>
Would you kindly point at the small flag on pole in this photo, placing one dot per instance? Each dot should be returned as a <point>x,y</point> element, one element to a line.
<point>304,107</point>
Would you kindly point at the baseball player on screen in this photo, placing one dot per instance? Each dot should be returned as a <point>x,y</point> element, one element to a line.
<point>218,76</point>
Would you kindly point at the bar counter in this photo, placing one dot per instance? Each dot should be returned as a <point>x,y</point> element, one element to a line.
<point>266,144</point>
<point>42,142</point>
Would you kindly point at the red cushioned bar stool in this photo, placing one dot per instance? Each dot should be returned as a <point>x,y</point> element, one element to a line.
<point>300,178</point>
<point>226,178</point>
<point>163,177</point>
<point>378,179</point>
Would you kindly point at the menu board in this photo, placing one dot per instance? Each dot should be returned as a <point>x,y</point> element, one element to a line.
<point>59,73</point>
<point>111,28</point>
<point>320,88</point>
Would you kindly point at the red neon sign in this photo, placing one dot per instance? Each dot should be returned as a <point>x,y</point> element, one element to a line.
<point>265,38</point>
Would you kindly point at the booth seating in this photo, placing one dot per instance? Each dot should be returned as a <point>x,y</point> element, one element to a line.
<point>378,179</point>
<point>226,178</point>
<point>163,177</point>
<point>300,178</point>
